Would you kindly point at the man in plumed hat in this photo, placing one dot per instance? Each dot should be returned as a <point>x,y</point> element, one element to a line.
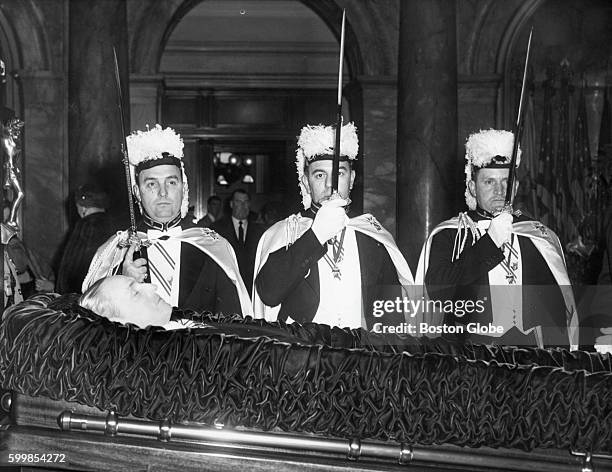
<point>192,268</point>
<point>320,265</point>
<point>508,268</point>
<point>93,228</point>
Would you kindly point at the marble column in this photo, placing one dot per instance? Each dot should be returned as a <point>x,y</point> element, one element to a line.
<point>377,115</point>
<point>44,168</point>
<point>95,134</point>
<point>427,121</point>
<point>145,94</point>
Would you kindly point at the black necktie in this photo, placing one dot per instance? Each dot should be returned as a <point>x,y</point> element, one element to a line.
<point>240,233</point>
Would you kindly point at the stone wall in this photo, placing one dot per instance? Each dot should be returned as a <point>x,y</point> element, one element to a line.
<point>39,36</point>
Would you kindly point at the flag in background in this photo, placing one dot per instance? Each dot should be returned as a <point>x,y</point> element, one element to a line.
<point>603,163</point>
<point>567,229</point>
<point>581,160</point>
<point>605,128</point>
<point>544,182</point>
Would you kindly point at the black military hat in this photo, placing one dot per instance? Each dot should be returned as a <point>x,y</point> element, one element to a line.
<point>90,195</point>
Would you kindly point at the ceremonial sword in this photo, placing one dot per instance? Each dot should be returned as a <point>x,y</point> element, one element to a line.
<point>336,160</point>
<point>518,130</point>
<point>133,238</point>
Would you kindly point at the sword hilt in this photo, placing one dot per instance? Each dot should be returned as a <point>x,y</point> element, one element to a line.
<point>142,252</point>
<point>507,208</point>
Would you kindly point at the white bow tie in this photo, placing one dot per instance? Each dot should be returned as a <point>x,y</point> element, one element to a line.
<point>172,232</point>
<point>483,224</point>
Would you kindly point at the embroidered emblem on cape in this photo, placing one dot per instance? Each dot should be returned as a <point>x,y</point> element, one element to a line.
<point>541,228</point>
<point>211,233</point>
<point>374,222</point>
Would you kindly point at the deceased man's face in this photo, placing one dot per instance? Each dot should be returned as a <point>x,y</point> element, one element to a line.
<point>136,303</point>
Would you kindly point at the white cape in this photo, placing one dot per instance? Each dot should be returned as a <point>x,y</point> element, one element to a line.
<point>286,232</point>
<point>546,242</point>
<point>111,254</point>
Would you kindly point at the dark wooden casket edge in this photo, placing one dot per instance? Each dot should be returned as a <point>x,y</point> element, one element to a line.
<point>34,429</point>
<point>33,426</point>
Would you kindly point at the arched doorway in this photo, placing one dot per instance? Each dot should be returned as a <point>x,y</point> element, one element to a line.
<point>240,79</point>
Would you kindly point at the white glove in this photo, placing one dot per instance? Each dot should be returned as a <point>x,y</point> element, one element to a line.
<point>501,229</point>
<point>603,344</point>
<point>330,219</point>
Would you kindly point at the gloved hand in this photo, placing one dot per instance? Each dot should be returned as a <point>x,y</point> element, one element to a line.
<point>44,285</point>
<point>603,343</point>
<point>136,269</point>
<point>330,219</point>
<point>501,229</point>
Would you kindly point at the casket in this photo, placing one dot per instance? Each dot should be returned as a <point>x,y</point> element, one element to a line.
<point>83,393</point>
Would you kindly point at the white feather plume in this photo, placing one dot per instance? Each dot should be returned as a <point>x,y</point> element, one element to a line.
<point>319,140</point>
<point>481,148</point>
<point>150,144</point>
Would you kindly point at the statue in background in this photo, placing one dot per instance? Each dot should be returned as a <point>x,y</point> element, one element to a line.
<point>11,147</point>
<point>10,130</point>
<point>23,275</point>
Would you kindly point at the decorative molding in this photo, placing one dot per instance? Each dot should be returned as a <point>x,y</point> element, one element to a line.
<point>38,74</point>
<point>268,47</point>
<point>476,34</point>
<point>382,80</point>
<point>152,24</point>
<point>509,37</point>
<point>265,9</point>
<point>254,81</point>
<point>24,22</point>
<point>146,79</point>
<point>239,132</point>
<point>480,78</point>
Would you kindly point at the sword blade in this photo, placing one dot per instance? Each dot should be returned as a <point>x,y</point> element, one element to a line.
<point>124,149</point>
<point>336,160</point>
<point>518,129</point>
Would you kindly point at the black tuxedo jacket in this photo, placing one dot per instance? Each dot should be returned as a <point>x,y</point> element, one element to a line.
<point>245,253</point>
<point>203,286</point>
<point>467,278</point>
<point>291,277</point>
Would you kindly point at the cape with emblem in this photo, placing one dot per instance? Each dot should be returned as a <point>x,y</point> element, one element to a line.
<point>196,242</point>
<point>460,238</point>
<point>306,291</point>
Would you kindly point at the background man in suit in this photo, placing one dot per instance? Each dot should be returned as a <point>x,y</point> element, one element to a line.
<point>242,232</point>
<point>214,210</point>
